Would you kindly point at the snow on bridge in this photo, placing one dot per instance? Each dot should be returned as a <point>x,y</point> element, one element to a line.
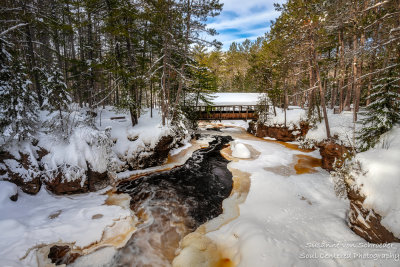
<point>230,106</point>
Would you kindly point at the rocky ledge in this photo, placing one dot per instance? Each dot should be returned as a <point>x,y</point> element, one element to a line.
<point>279,132</point>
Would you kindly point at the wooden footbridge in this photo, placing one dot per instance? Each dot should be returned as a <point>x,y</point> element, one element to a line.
<point>230,106</point>
<point>243,112</point>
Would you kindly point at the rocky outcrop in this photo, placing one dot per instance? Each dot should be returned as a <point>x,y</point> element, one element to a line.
<point>279,132</point>
<point>366,222</point>
<point>30,170</point>
<point>22,171</point>
<point>59,185</point>
<point>97,180</point>
<point>89,181</point>
<point>153,157</point>
<point>333,154</point>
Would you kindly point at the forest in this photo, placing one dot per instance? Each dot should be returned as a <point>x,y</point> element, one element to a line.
<point>129,54</point>
<point>319,54</point>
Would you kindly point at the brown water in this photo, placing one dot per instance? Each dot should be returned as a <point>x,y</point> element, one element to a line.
<point>170,204</point>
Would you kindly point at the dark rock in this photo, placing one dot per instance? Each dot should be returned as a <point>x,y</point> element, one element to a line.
<point>14,197</point>
<point>62,255</point>
<point>278,132</point>
<point>366,222</point>
<point>154,157</point>
<point>333,154</point>
<point>96,180</point>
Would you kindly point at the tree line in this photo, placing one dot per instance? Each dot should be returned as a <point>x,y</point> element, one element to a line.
<point>130,54</point>
<point>324,54</point>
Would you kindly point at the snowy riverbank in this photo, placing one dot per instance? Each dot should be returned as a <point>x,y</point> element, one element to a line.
<point>83,222</point>
<point>286,220</point>
<point>89,158</point>
<point>32,224</point>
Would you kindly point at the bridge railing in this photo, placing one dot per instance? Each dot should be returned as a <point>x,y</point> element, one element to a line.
<point>227,112</point>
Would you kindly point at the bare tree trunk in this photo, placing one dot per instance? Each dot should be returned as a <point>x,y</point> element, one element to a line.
<point>185,52</point>
<point>312,84</point>
<point>349,89</point>
<point>334,87</point>
<point>321,90</point>
<point>355,78</point>
<point>342,70</point>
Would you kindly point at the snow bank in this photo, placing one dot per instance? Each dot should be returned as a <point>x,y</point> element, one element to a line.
<point>86,148</point>
<point>294,115</point>
<point>45,219</point>
<point>381,183</point>
<point>341,125</point>
<point>7,190</point>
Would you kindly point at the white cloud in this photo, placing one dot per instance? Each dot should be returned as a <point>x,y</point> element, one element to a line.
<point>241,19</point>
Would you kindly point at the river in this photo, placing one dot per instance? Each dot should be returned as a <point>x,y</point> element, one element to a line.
<point>170,204</point>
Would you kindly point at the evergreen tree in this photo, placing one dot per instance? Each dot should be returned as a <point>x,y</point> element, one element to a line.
<point>383,111</point>
<point>57,100</point>
<point>18,103</point>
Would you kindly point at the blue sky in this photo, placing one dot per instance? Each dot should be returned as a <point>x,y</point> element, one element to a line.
<point>241,19</point>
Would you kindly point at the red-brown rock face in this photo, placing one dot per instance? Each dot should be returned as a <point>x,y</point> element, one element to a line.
<point>366,222</point>
<point>278,132</point>
<point>332,154</point>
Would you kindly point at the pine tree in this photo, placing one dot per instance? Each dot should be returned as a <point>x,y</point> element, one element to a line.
<point>57,100</point>
<point>18,103</point>
<point>383,111</point>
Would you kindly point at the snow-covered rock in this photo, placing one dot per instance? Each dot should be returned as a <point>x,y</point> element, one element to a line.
<point>240,150</point>
<point>19,165</point>
<point>80,164</point>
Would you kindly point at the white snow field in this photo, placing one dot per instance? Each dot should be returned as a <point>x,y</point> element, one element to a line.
<point>381,182</point>
<point>43,219</point>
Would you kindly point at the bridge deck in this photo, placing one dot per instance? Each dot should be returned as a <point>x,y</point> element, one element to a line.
<point>243,112</point>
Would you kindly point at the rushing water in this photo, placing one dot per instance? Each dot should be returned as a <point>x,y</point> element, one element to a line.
<point>174,203</point>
